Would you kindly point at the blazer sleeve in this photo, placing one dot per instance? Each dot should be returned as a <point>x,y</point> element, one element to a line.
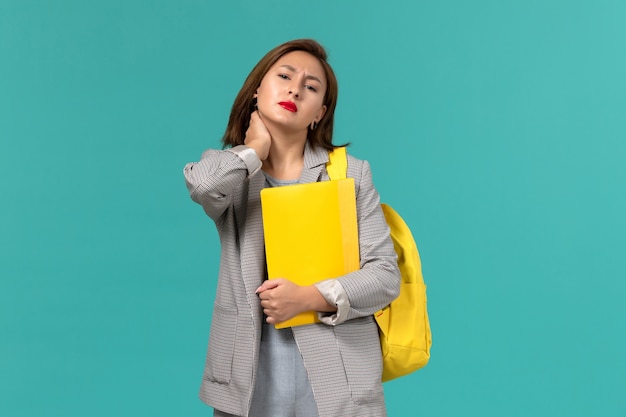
<point>377,283</point>
<point>212,180</point>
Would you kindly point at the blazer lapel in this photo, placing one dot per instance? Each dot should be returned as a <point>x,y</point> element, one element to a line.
<point>315,160</point>
<point>252,244</point>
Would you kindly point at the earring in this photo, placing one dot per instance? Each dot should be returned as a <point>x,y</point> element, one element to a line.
<point>313,125</point>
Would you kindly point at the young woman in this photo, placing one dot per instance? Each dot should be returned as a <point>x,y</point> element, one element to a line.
<point>279,133</point>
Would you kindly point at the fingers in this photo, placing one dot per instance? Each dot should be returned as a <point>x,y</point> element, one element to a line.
<point>269,284</point>
<point>257,136</point>
<point>271,305</point>
<point>269,308</point>
<point>280,299</point>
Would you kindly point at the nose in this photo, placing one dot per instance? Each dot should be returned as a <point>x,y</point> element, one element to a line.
<point>294,90</point>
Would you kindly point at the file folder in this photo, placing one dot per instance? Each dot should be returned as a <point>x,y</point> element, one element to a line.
<point>311,234</point>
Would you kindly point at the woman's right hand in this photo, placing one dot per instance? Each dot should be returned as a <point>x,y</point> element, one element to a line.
<point>258,137</point>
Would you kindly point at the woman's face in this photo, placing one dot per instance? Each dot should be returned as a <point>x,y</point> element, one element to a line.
<point>291,94</point>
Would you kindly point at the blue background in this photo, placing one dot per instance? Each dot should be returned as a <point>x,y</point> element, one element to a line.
<point>496,128</point>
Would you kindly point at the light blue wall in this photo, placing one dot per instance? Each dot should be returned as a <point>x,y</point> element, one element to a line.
<point>495,127</point>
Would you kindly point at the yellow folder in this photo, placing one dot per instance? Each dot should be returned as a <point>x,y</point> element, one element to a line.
<point>310,234</point>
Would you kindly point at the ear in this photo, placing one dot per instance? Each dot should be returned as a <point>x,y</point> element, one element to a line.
<point>320,114</point>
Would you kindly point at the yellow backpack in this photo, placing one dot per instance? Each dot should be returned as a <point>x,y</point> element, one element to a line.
<point>404,329</point>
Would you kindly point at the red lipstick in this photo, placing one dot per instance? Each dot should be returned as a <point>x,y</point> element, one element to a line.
<point>289,105</point>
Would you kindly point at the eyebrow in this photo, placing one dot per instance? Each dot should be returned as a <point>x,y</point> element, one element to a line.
<point>308,77</point>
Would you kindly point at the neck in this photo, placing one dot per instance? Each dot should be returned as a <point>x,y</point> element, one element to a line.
<point>286,157</point>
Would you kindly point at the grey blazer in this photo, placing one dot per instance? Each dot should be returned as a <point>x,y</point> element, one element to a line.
<point>343,362</point>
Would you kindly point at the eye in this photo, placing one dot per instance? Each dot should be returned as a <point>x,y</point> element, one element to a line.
<point>283,76</point>
<point>312,88</point>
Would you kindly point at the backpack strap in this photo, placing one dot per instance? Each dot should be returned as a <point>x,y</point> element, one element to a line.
<point>337,166</point>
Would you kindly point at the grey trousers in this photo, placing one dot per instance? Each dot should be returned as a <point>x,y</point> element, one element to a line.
<point>282,386</point>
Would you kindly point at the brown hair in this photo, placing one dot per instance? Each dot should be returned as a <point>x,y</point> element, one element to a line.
<point>240,113</point>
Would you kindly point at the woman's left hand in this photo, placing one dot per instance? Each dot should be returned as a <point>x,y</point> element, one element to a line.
<point>281,299</point>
